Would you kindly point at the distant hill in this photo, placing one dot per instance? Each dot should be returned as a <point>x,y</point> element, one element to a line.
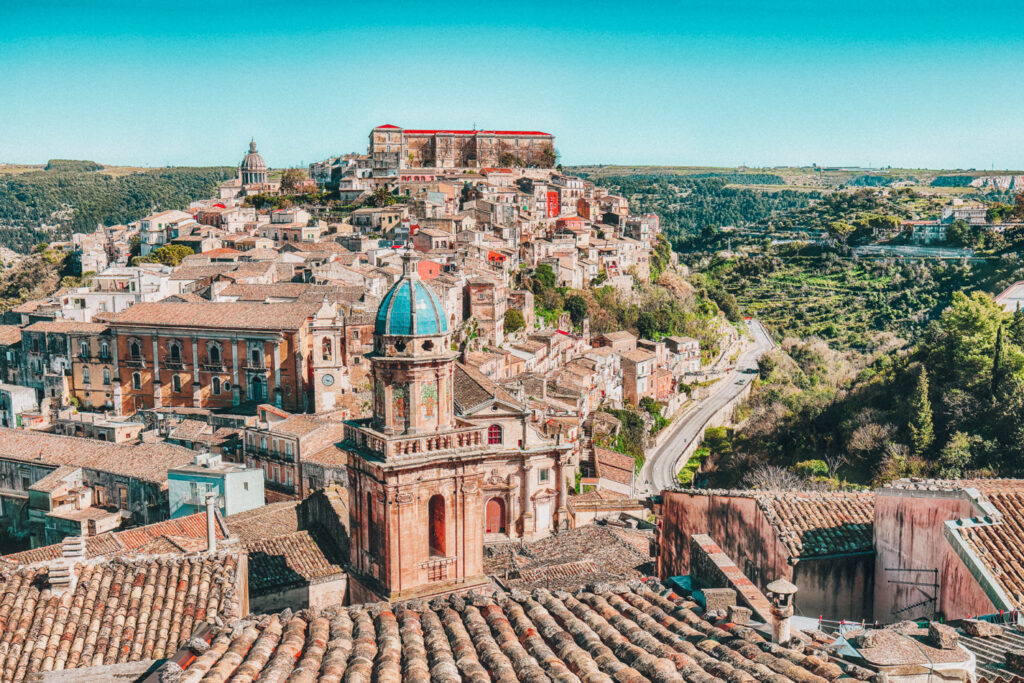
<point>43,203</point>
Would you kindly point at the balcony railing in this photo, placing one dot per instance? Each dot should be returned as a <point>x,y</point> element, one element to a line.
<point>258,367</point>
<point>135,362</point>
<point>212,367</point>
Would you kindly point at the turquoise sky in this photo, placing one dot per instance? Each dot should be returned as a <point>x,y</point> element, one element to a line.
<point>933,84</point>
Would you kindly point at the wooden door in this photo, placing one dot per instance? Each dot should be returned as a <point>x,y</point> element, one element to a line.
<point>495,516</point>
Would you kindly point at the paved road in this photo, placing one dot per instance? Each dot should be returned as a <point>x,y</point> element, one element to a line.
<point>664,463</point>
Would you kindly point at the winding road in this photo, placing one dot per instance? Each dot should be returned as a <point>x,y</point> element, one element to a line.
<point>665,461</point>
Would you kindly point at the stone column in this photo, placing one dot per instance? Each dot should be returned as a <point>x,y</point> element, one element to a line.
<point>236,397</point>
<point>562,516</point>
<point>158,399</point>
<point>278,393</point>
<point>197,389</point>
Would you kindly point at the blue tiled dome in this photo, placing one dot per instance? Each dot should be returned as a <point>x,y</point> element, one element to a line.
<point>410,308</point>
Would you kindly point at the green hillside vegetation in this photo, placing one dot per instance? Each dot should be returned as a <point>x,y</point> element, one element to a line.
<point>951,406</point>
<point>35,276</point>
<point>691,207</point>
<point>76,197</point>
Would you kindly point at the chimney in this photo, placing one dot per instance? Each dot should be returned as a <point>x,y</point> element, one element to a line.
<point>61,573</point>
<point>211,522</point>
<point>781,592</point>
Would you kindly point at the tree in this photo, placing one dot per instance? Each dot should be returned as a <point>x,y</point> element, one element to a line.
<point>134,245</point>
<point>647,325</point>
<point>955,456</point>
<point>840,231</point>
<point>544,277</point>
<point>577,308</point>
<point>168,255</point>
<point>920,427</point>
<point>959,232</point>
<point>1016,328</point>
<point>508,160</point>
<point>381,197</point>
<point>291,179</point>
<point>514,320</point>
<point>997,363</point>
<point>1018,207</point>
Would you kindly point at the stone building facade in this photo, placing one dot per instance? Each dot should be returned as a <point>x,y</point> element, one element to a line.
<point>393,148</point>
<point>219,355</point>
<point>447,462</point>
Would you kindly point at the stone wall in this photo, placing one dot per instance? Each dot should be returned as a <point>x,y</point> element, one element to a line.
<point>712,569</point>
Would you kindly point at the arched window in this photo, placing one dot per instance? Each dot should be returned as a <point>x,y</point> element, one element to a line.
<point>326,349</point>
<point>175,350</point>
<point>257,357</point>
<point>495,516</point>
<point>104,350</point>
<point>215,386</point>
<point>437,526</point>
<point>83,347</point>
<point>106,377</point>
<point>136,380</point>
<point>135,349</point>
<point>175,382</point>
<point>85,375</point>
<point>214,353</point>
<point>494,435</point>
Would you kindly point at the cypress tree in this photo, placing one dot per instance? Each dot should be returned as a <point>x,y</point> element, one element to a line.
<point>921,430</point>
<point>1017,327</point>
<point>997,363</point>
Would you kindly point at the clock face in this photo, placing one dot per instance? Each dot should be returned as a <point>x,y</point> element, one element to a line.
<point>328,380</point>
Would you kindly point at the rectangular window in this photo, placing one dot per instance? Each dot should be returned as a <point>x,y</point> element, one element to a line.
<point>122,492</point>
<point>544,475</point>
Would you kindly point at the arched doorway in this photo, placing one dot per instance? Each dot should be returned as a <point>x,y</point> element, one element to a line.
<point>437,526</point>
<point>495,516</point>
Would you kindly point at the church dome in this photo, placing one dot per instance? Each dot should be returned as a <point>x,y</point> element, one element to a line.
<point>410,308</point>
<point>253,161</point>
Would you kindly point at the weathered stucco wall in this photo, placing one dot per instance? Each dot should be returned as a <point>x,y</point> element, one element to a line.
<point>835,587</point>
<point>909,535</point>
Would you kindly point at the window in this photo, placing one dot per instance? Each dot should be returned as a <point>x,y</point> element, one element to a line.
<point>85,376</point>
<point>288,477</point>
<point>245,485</point>
<point>263,442</point>
<point>83,347</point>
<point>215,386</point>
<point>435,509</point>
<point>326,349</point>
<point>544,475</point>
<point>104,350</point>
<point>136,380</point>
<point>35,344</point>
<point>288,448</point>
<point>257,358</point>
<point>175,350</point>
<point>122,494</point>
<point>494,435</point>
<point>214,354</point>
<point>135,350</point>
<point>175,382</point>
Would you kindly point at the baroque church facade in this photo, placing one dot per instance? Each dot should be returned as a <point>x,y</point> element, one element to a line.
<point>448,462</point>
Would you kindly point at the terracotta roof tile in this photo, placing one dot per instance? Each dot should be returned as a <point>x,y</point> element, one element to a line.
<point>146,461</point>
<point>292,559</point>
<point>602,633</point>
<point>223,315</point>
<point>119,611</point>
<point>130,541</point>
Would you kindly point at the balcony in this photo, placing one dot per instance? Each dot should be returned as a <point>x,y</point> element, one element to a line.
<point>212,367</point>
<point>199,500</point>
<point>255,367</point>
<point>174,363</point>
<point>135,362</point>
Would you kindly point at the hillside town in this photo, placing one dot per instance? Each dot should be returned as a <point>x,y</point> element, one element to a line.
<point>261,439</point>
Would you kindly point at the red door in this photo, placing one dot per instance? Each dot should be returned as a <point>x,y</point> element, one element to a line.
<point>496,516</point>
